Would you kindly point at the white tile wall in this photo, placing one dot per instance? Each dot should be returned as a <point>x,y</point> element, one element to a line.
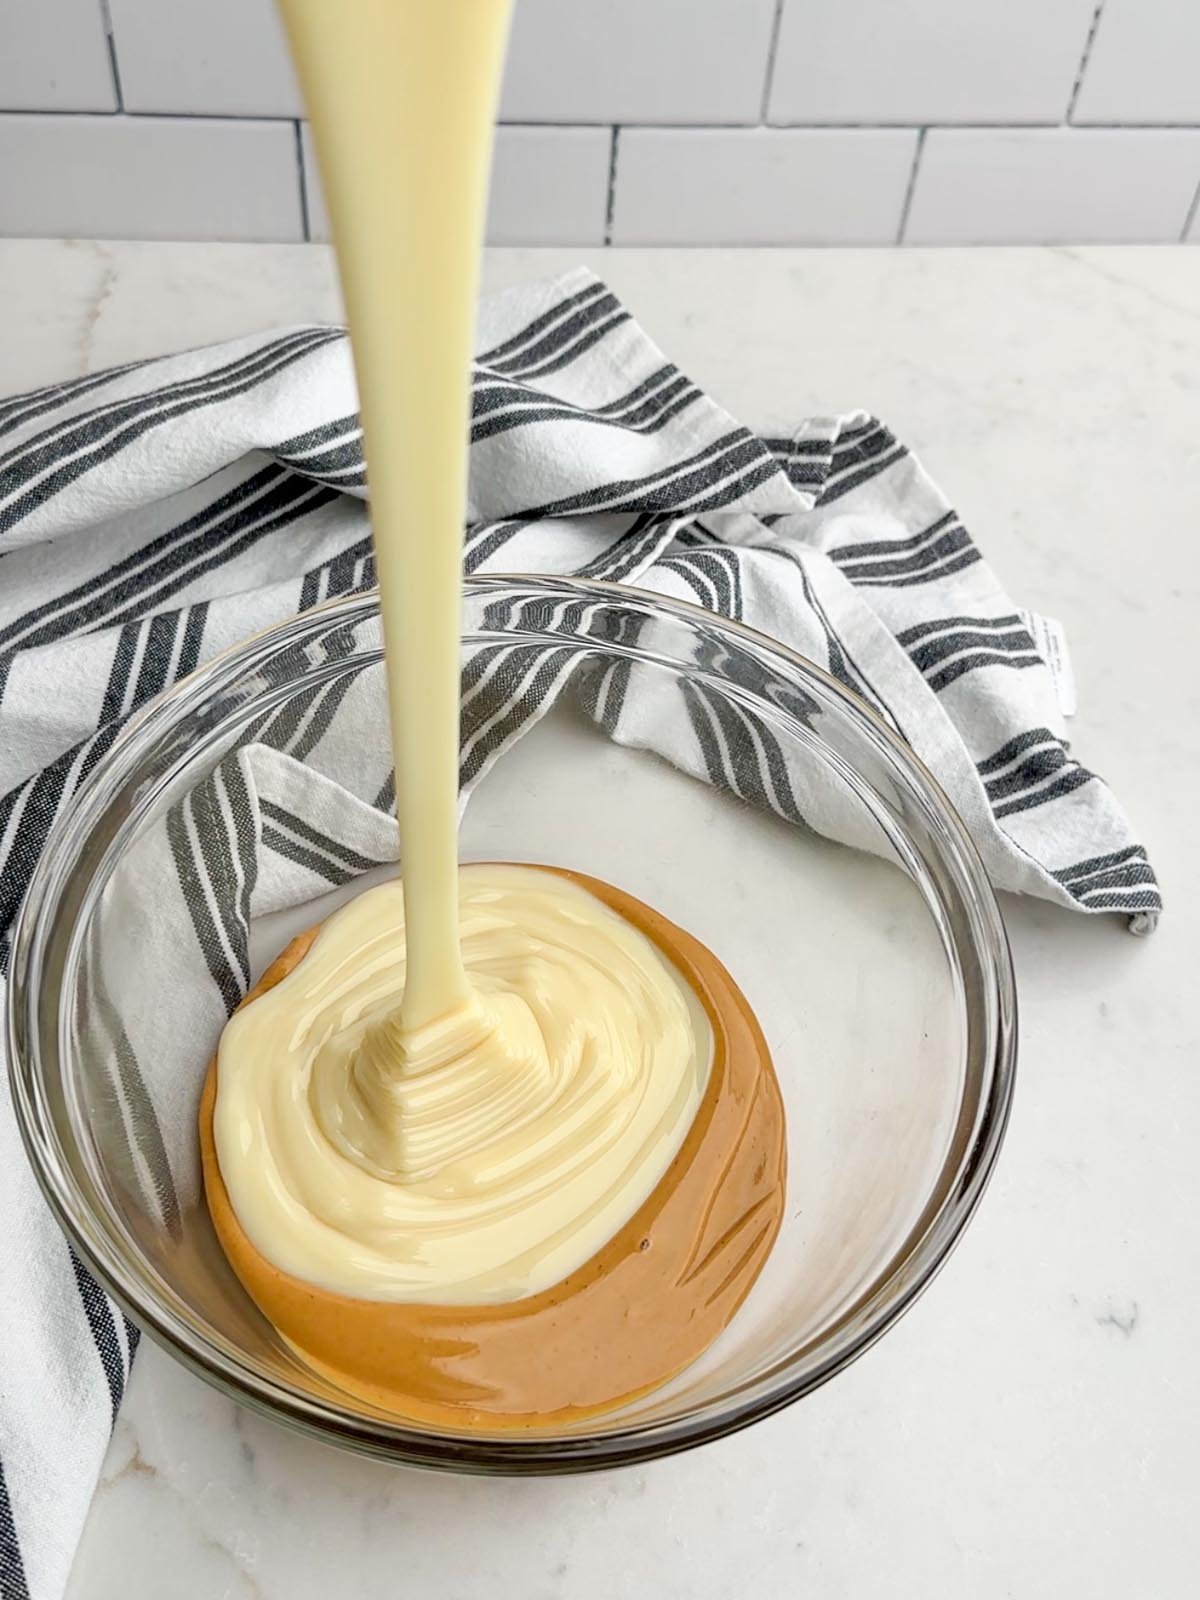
<point>54,56</point>
<point>1144,64</point>
<point>738,120</point>
<point>222,57</point>
<point>549,186</point>
<point>569,60</point>
<point>148,178</point>
<point>637,61</point>
<point>761,185</point>
<point>928,60</point>
<point>1056,185</point>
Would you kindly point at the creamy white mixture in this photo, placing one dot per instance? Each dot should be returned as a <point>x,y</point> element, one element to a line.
<point>489,1155</point>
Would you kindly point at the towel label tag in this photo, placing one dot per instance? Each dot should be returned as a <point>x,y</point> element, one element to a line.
<point>1051,640</point>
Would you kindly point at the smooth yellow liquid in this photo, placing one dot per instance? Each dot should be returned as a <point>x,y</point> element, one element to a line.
<point>490,1172</point>
<point>402,95</point>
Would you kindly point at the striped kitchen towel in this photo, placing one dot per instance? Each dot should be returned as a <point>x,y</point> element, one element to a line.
<point>156,513</point>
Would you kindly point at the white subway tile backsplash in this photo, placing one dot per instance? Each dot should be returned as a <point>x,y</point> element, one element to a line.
<point>928,60</point>
<point>637,61</point>
<point>54,57</point>
<point>549,186</point>
<point>580,61</point>
<point>223,57</point>
<point>206,147</point>
<point>148,178</point>
<point>761,185</point>
<point>1053,185</point>
<point>1144,64</point>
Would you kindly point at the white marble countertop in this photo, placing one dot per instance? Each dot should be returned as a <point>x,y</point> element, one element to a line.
<point>1030,1429</point>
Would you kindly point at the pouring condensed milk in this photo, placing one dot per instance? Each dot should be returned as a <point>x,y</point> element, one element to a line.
<point>497,1145</point>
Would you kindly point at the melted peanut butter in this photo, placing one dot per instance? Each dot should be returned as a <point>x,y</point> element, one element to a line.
<point>637,1312</point>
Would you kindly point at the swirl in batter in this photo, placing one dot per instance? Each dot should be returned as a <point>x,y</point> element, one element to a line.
<point>491,1154</point>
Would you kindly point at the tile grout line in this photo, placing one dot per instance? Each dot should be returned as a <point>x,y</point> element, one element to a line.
<point>1083,60</point>
<point>275,118</point>
<point>611,198</point>
<point>302,179</point>
<point>110,40</point>
<point>912,186</point>
<point>1191,216</point>
<point>772,50</point>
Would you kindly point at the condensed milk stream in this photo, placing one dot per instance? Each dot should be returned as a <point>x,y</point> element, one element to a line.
<point>474,1094</point>
<point>402,95</point>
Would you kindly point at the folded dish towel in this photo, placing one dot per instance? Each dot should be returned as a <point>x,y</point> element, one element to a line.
<point>154,514</point>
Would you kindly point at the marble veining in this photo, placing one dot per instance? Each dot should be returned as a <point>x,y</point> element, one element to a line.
<point>1120,1314</point>
<point>96,301</point>
<point>1029,1429</point>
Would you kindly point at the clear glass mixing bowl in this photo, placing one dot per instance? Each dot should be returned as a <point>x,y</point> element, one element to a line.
<point>880,974</point>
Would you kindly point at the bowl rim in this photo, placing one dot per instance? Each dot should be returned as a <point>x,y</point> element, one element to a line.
<point>216,1361</point>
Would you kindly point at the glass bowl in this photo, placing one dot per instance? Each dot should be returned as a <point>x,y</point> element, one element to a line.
<point>682,757</point>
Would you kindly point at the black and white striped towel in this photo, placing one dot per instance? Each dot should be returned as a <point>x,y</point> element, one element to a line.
<point>154,514</point>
